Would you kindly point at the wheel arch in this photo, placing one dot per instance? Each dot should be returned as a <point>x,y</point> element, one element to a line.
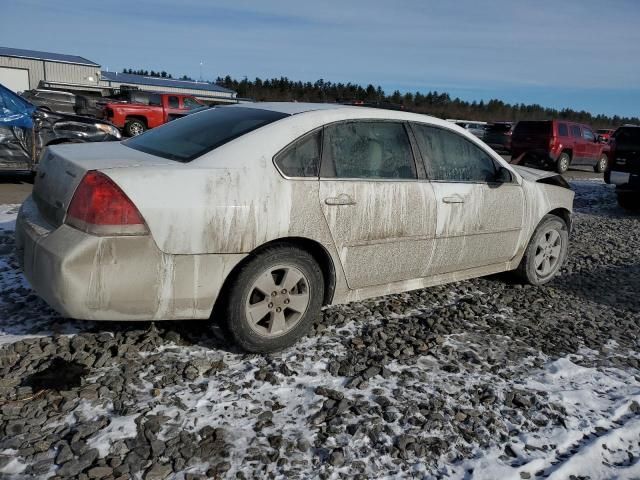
<point>142,118</point>
<point>568,151</point>
<point>314,248</point>
<point>564,214</point>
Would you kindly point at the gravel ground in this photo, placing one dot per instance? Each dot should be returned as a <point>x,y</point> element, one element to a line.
<point>478,379</point>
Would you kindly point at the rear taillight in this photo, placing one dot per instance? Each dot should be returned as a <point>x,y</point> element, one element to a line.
<point>100,207</point>
<point>552,143</point>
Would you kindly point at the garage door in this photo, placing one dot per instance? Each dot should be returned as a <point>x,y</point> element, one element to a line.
<point>16,79</point>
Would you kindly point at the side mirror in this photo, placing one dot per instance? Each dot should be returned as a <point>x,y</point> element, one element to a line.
<point>503,175</point>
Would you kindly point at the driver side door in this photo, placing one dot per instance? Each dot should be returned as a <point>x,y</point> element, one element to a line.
<point>16,132</point>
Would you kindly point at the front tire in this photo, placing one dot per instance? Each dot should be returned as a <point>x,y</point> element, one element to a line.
<point>546,252</point>
<point>134,127</point>
<point>563,162</point>
<point>273,299</point>
<point>602,164</point>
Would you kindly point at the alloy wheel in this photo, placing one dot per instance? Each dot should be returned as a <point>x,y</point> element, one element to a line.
<point>548,251</point>
<point>277,300</point>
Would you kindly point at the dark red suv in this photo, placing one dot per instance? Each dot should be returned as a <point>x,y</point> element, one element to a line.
<point>557,144</point>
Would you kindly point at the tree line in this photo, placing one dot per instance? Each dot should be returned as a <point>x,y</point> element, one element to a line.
<point>155,74</point>
<point>438,104</point>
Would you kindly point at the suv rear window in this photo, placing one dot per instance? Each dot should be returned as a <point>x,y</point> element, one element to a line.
<point>194,135</point>
<point>533,128</point>
<point>499,128</point>
<point>627,135</point>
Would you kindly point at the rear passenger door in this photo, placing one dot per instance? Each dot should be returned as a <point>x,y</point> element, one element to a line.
<point>379,209</point>
<point>479,218</point>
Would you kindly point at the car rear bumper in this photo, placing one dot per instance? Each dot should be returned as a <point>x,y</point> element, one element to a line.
<point>83,276</point>
<point>533,156</point>
<point>623,180</point>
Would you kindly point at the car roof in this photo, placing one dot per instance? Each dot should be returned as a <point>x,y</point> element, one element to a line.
<point>344,112</point>
<point>292,108</point>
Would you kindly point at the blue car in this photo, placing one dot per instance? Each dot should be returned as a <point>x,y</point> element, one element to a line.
<point>25,130</point>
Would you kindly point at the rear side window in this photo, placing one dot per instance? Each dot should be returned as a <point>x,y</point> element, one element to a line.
<point>563,131</point>
<point>367,150</point>
<point>188,138</point>
<point>588,135</point>
<point>575,131</point>
<point>451,157</point>
<point>302,158</point>
<point>174,102</point>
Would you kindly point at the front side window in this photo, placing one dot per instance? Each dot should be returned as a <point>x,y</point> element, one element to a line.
<point>190,103</point>
<point>174,102</point>
<point>302,158</point>
<point>367,150</point>
<point>194,135</point>
<point>588,135</point>
<point>155,100</point>
<point>451,157</point>
<point>575,131</point>
<point>563,131</point>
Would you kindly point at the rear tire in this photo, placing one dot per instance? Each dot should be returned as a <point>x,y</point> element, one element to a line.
<point>546,252</point>
<point>563,162</point>
<point>134,127</point>
<point>629,201</point>
<point>273,299</point>
<point>602,164</point>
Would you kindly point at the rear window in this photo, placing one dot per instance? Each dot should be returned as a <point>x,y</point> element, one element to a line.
<point>499,128</point>
<point>627,135</point>
<point>194,135</point>
<point>533,128</point>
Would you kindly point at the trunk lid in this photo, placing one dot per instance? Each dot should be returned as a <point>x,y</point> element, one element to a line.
<point>62,167</point>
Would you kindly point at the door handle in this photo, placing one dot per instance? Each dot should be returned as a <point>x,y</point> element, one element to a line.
<point>453,199</point>
<point>342,199</point>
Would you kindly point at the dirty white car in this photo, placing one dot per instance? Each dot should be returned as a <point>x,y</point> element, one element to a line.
<point>258,215</point>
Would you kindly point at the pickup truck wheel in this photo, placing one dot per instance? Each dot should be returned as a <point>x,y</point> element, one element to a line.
<point>601,166</point>
<point>134,127</point>
<point>563,162</point>
<point>273,299</point>
<point>546,252</point>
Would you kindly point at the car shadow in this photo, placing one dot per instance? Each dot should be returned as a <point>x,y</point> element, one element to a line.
<point>16,178</point>
<point>614,286</point>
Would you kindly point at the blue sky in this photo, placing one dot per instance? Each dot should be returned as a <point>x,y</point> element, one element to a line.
<point>582,54</point>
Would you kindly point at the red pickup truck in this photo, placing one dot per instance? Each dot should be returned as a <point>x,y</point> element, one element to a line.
<point>143,110</point>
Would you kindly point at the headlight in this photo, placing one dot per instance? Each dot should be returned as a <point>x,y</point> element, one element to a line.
<point>108,129</point>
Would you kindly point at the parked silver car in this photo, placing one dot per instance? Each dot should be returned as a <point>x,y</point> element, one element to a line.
<point>260,214</point>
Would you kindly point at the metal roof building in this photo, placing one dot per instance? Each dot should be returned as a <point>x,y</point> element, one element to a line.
<point>27,69</point>
<point>202,90</point>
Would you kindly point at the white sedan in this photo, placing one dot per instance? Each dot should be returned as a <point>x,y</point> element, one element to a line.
<point>259,214</point>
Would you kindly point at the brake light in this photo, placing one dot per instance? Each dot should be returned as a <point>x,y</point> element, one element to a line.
<point>100,207</point>
<point>552,143</point>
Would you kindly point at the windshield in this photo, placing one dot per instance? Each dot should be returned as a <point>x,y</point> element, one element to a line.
<point>194,135</point>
